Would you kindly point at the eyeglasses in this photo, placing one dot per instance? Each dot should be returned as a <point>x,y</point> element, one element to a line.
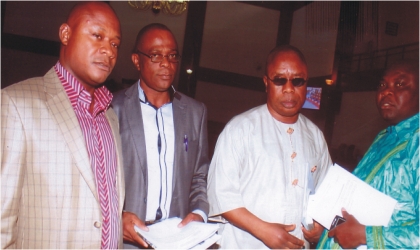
<point>280,81</point>
<point>157,58</point>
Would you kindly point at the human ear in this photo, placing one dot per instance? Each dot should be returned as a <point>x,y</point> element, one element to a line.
<point>64,33</point>
<point>135,59</point>
<point>265,82</point>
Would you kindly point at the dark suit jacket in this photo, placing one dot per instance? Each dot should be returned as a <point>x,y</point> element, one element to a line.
<point>189,191</point>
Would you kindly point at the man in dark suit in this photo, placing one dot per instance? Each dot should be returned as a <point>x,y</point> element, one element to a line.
<point>164,138</point>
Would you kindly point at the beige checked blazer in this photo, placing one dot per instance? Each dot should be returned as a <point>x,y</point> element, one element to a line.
<point>48,191</point>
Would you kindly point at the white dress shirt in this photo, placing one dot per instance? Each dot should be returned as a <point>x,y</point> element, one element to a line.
<point>159,122</point>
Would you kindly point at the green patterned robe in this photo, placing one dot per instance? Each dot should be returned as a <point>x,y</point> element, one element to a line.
<point>391,165</point>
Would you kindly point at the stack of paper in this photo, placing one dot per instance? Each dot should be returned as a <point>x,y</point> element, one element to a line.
<point>166,234</point>
<point>341,189</point>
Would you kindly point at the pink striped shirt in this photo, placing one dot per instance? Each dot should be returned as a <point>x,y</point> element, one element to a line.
<point>101,149</point>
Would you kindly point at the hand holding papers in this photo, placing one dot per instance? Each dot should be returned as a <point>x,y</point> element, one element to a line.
<point>166,234</point>
<point>341,189</point>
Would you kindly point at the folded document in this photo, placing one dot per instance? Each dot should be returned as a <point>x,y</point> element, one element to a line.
<point>166,234</point>
<point>341,189</point>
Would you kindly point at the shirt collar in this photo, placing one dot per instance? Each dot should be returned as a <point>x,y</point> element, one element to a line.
<point>78,95</point>
<point>404,129</point>
<point>143,97</point>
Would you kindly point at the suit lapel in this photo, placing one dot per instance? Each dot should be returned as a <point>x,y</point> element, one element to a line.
<point>179,113</point>
<point>113,122</point>
<point>61,109</point>
<point>132,108</point>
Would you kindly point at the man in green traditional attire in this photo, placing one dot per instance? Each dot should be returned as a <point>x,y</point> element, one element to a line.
<point>391,165</point>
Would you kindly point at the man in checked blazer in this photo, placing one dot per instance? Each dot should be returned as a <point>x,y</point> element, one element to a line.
<point>164,137</point>
<point>61,167</point>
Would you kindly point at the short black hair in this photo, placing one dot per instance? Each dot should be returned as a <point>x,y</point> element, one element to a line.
<point>145,29</point>
<point>281,49</point>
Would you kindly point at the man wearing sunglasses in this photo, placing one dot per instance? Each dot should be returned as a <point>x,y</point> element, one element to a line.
<point>164,138</point>
<point>267,161</point>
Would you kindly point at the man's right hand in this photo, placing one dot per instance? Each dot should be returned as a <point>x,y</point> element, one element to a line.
<point>273,235</point>
<point>129,234</point>
<point>276,235</point>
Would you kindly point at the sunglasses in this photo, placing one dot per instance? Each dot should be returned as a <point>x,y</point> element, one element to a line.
<point>280,81</point>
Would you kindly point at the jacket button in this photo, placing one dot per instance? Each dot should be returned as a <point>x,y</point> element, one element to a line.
<point>97,224</point>
<point>145,200</point>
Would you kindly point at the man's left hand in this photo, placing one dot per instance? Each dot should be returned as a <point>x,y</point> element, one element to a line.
<point>349,234</point>
<point>313,235</point>
<point>190,217</point>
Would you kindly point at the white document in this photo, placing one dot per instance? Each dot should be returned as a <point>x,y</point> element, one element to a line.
<point>166,234</point>
<point>207,243</point>
<point>341,189</point>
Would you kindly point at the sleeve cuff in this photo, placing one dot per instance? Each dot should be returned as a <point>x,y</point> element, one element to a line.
<point>201,213</point>
<point>374,237</point>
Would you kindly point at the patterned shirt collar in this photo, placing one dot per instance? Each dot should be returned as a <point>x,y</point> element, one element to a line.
<point>143,97</point>
<point>404,129</point>
<point>79,96</point>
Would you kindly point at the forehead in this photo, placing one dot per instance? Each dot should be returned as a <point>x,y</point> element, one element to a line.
<point>99,17</point>
<point>289,61</point>
<point>401,70</point>
<point>158,38</point>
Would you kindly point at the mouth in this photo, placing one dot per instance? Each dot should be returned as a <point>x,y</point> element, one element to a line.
<point>103,66</point>
<point>165,76</point>
<point>385,104</point>
<point>288,103</point>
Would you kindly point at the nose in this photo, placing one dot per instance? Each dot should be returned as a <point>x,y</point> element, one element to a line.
<point>288,87</point>
<point>386,90</point>
<point>165,61</point>
<point>108,50</point>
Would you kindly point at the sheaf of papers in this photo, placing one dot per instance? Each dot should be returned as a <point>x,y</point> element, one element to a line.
<point>207,243</point>
<point>166,234</point>
<point>341,189</point>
